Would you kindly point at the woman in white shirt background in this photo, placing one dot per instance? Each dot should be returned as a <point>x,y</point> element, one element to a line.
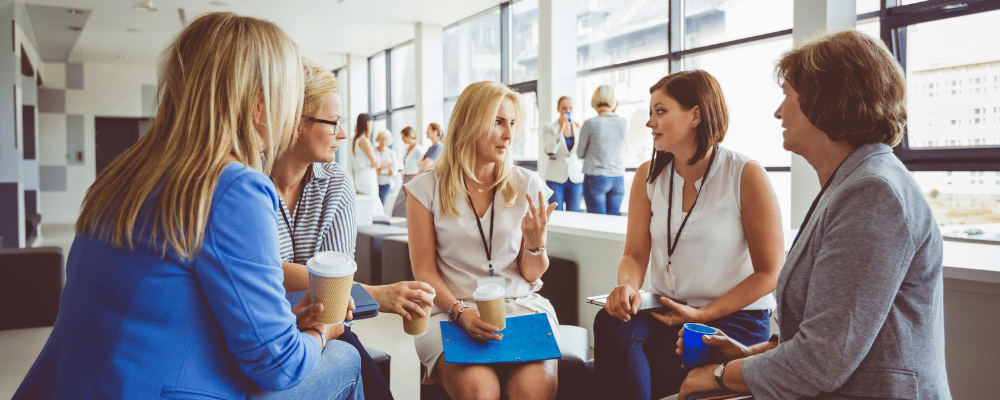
<point>474,185</point>
<point>564,170</point>
<point>414,153</point>
<point>707,220</point>
<point>386,164</point>
<point>365,162</point>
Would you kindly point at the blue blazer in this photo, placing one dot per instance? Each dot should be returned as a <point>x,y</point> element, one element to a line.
<point>133,324</point>
<point>860,298</point>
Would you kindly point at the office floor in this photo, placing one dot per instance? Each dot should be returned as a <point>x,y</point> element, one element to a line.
<point>20,347</point>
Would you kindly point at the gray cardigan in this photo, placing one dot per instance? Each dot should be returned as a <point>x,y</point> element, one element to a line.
<point>860,296</point>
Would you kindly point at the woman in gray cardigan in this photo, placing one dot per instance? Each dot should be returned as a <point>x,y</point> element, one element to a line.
<point>860,306</point>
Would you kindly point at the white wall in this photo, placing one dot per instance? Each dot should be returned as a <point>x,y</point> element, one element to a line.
<point>109,90</point>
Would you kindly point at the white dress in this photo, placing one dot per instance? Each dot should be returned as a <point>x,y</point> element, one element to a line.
<point>711,257</point>
<point>390,156</point>
<point>364,175</point>
<point>461,258</point>
<point>411,159</point>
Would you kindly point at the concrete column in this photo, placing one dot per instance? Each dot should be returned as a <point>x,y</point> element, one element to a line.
<point>429,58</point>
<point>812,19</point>
<point>354,91</point>
<point>556,61</point>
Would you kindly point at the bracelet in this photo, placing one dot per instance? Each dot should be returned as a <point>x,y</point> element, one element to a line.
<point>322,337</point>
<point>459,313</point>
<point>535,252</point>
<point>451,316</point>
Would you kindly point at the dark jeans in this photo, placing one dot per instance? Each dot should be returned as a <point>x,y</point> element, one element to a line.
<point>371,377</point>
<point>383,192</point>
<point>603,194</point>
<point>637,359</point>
<point>569,193</point>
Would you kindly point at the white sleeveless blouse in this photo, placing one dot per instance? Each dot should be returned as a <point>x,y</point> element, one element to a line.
<point>711,256</point>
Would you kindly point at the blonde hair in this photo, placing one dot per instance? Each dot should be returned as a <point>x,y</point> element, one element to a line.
<point>474,113</point>
<point>318,83</point>
<point>215,74</point>
<point>604,95</point>
<point>385,134</point>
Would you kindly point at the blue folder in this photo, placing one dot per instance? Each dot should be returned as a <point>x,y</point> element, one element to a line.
<point>526,338</point>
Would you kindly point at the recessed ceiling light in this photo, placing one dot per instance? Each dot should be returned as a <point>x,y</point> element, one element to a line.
<point>219,3</point>
<point>125,57</point>
<point>133,30</point>
<point>146,5</point>
<point>75,28</point>
<point>74,11</point>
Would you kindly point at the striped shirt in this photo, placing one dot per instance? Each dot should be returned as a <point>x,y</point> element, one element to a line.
<point>323,219</point>
<point>601,145</point>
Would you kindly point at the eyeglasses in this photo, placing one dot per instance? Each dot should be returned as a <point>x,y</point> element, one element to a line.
<point>336,124</point>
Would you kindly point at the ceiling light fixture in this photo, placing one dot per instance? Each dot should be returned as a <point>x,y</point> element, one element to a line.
<point>145,6</point>
<point>74,11</point>
<point>219,3</point>
<point>75,28</point>
<point>125,57</point>
<point>133,30</point>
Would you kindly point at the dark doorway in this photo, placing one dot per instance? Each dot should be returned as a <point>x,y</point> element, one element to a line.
<point>114,136</point>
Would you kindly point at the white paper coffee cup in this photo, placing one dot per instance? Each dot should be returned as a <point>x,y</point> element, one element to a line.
<point>489,301</point>
<point>331,275</point>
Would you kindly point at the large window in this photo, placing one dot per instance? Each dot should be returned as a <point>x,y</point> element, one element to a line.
<point>471,53</point>
<point>524,41</point>
<point>711,22</point>
<point>392,91</point>
<point>615,32</point>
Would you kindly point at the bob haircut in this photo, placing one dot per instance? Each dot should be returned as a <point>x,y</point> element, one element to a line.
<point>384,134</point>
<point>604,95</point>
<point>849,86</point>
<point>319,83</point>
<point>691,89</point>
<point>474,113</point>
<point>212,77</point>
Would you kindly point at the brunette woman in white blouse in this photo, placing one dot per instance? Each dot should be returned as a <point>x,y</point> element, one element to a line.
<point>707,221</point>
<point>475,184</point>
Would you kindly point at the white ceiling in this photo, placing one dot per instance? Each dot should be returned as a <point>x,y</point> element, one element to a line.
<point>325,30</point>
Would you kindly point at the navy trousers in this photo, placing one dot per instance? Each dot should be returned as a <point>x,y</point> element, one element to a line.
<point>371,377</point>
<point>637,359</point>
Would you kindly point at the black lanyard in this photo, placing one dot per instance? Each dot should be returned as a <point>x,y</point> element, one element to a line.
<point>814,203</point>
<point>488,248</point>
<point>672,242</point>
<point>295,213</point>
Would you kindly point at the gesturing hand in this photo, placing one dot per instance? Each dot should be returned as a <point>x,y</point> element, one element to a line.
<point>533,226</point>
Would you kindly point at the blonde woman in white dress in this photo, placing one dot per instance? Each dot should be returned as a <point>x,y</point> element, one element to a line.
<point>475,184</point>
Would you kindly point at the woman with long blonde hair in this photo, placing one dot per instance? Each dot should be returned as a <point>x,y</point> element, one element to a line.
<point>173,282</point>
<point>476,180</point>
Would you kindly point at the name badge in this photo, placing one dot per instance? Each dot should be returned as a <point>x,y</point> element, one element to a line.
<point>499,280</point>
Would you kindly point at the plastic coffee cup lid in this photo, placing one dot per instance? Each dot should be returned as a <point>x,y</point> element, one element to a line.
<point>488,292</point>
<point>418,301</point>
<point>331,264</point>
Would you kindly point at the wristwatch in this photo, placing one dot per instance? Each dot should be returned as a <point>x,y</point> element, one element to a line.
<point>719,370</point>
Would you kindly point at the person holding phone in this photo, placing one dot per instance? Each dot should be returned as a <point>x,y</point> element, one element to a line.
<point>706,220</point>
<point>316,211</point>
<point>564,170</point>
<point>477,218</point>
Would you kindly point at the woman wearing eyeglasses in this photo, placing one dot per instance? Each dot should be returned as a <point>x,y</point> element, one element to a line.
<point>317,211</point>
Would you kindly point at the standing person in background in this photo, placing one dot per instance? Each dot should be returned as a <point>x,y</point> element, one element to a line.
<point>435,134</point>
<point>174,281</point>
<point>564,171</point>
<point>602,141</point>
<point>414,153</point>
<point>365,162</point>
<point>317,203</point>
<point>387,164</point>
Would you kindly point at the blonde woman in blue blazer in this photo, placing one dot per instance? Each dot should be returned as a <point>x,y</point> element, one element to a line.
<point>174,281</point>
<point>860,306</point>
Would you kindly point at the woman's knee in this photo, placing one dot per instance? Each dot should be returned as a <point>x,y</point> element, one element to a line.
<point>534,381</point>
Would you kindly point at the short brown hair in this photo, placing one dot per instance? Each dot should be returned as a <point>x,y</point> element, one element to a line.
<point>849,86</point>
<point>436,127</point>
<point>699,88</point>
